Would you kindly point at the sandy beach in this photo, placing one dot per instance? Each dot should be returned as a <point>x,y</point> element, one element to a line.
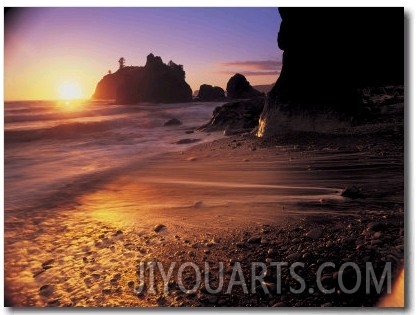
<point>237,199</point>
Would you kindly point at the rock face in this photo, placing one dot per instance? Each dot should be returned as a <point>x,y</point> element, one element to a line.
<point>322,71</point>
<point>155,82</point>
<point>236,117</point>
<point>209,93</point>
<point>238,87</point>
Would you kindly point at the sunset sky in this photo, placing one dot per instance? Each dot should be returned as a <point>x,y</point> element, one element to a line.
<point>46,48</point>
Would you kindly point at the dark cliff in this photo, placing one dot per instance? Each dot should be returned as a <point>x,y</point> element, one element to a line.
<point>330,53</point>
<point>155,82</point>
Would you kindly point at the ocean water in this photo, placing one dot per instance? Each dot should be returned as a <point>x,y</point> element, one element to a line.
<point>52,147</point>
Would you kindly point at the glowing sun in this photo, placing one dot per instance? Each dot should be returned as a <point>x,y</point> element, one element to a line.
<point>69,91</point>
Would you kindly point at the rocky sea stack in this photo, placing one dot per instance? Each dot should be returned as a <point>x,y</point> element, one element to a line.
<point>156,82</point>
<point>322,74</point>
<point>209,93</point>
<point>238,87</point>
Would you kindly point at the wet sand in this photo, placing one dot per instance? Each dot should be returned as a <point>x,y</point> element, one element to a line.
<point>211,200</point>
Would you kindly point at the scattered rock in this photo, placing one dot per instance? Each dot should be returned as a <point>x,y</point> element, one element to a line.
<point>293,257</point>
<point>352,192</point>
<point>272,252</point>
<point>46,290</point>
<point>46,264</point>
<point>199,204</point>
<point>235,117</point>
<point>209,93</point>
<point>173,122</point>
<point>376,226</point>
<point>254,240</point>
<point>159,227</point>
<point>187,141</point>
<point>314,234</point>
<point>239,87</point>
<point>118,232</point>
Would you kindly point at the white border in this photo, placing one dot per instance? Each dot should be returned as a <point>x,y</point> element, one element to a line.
<point>411,172</point>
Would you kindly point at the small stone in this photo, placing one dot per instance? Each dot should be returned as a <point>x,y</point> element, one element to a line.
<point>314,234</point>
<point>131,284</point>
<point>272,252</point>
<point>293,256</point>
<point>47,263</point>
<point>352,192</point>
<point>199,204</point>
<point>173,122</point>
<point>328,304</point>
<point>279,304</point>
<point>46,290</point>
<point>159,227</point>
<point>376,242</point>
<point>377,235</point>
<point>254,240</point>
<point>106,291</point>
<point>376,226</point>
<point>118,232</point>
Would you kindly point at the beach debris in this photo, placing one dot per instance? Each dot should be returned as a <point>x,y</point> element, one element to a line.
<point>352,192</point>
<point>314,233</point>
<point>173,122</point>
<point>157,228</point>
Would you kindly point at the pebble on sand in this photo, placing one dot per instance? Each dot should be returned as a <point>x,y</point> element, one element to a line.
<point>314,233</point>
<point>159,227</point>
<point>254,240</point>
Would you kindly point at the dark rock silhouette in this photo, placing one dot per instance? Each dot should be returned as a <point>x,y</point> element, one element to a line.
<point>173,122</point>
<point>330,53</point>
<point>155,82</point>
<point>236,117</point>
<point>209,93</point>
<point>238,87</point>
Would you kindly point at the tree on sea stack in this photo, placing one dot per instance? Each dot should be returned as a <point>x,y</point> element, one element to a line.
<point>122,61</point>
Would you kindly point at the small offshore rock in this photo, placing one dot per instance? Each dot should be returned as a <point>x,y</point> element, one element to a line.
<point>173,122</point>
<point>159,227</point>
